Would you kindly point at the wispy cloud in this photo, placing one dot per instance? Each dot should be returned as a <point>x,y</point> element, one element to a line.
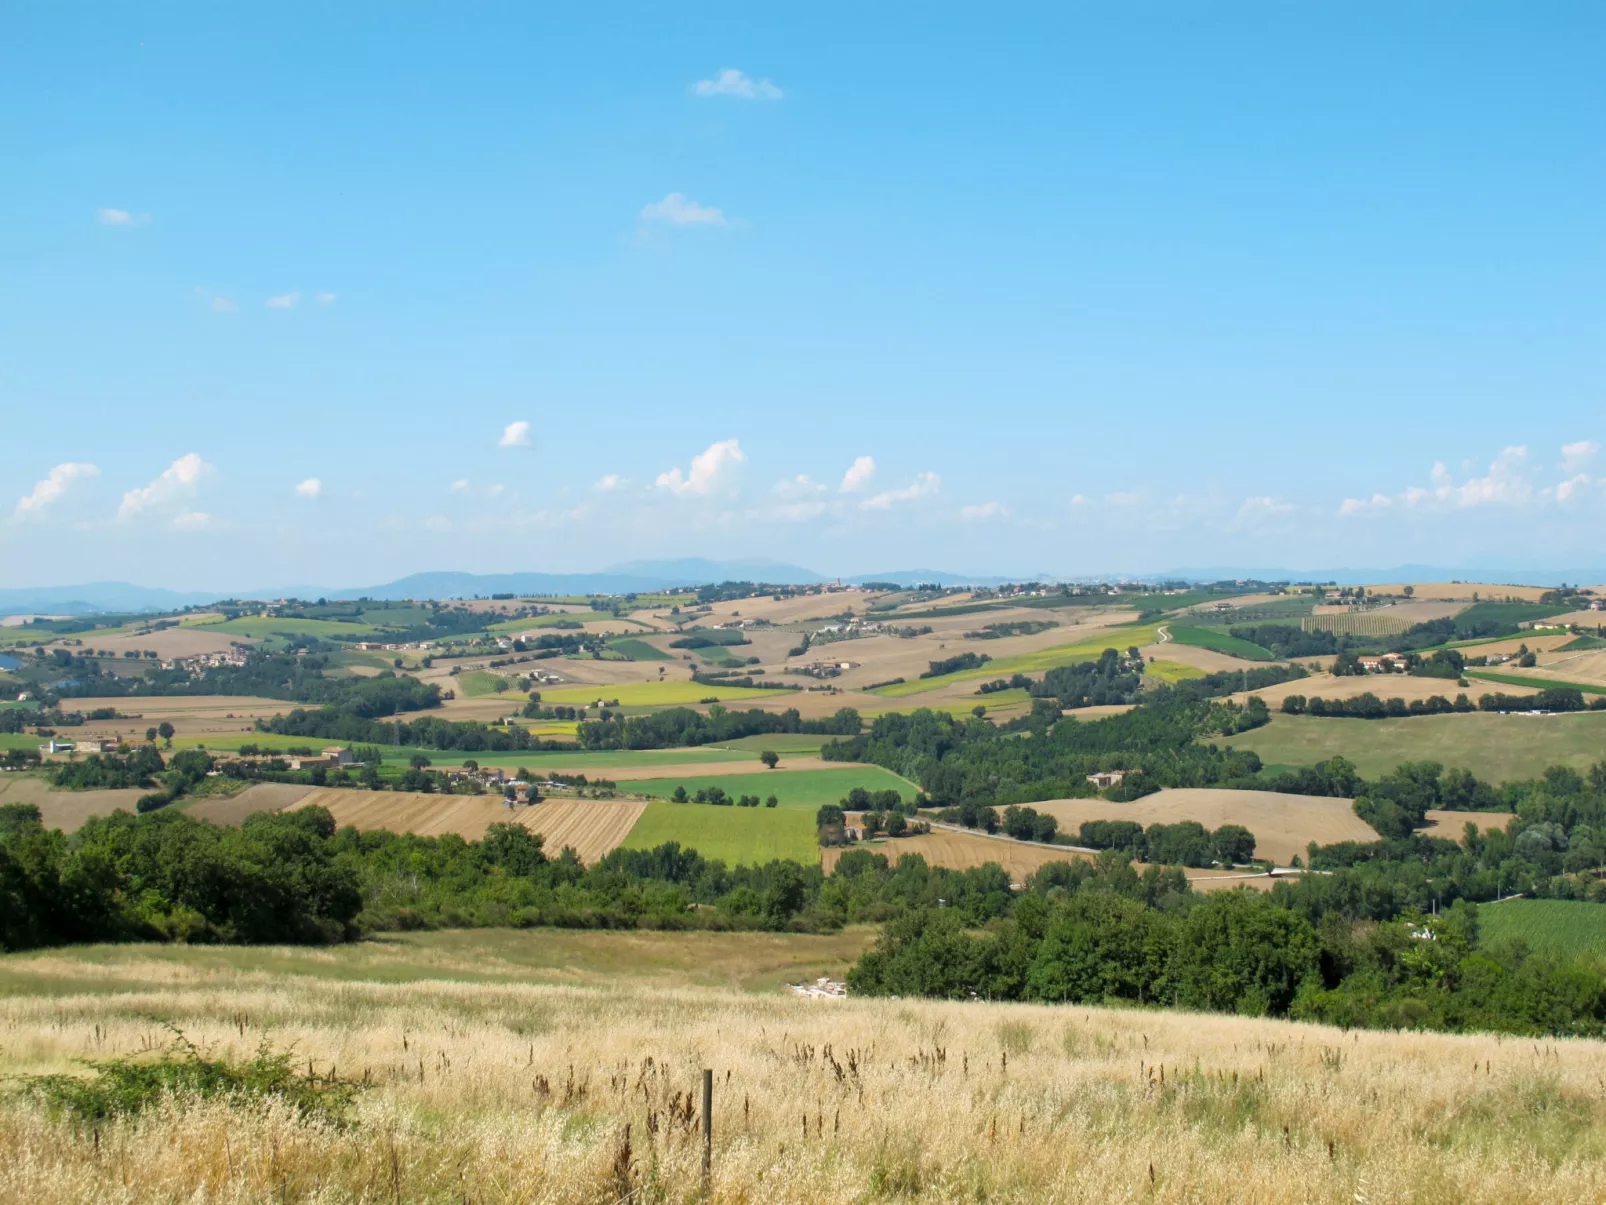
<point>677,210</point>
<point>1576,457</point>
<point>176,484</point>
<point>859,475</point>
<point>216,303</point>
<point>195,520</point>
<point>284,301</point>
<point>731,82</point>
<point>713,469</point>
<point>327,298</point>
<point>310,488</point>
<point>925,485</point>
<point>610,483</point>
<point>984,512</point>
<point>51,488</point>
<point>515,435</point>
<point>121,217</point>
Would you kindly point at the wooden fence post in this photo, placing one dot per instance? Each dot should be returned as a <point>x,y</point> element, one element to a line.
<point>708,1126</point>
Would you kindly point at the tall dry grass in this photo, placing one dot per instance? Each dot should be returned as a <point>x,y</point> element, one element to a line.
<point>496,1093</point>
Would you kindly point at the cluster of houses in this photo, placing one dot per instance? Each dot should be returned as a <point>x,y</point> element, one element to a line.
<point>85,744</point>
<point>375,646</point>
<point>194,665</point>
<point>1386,663</point>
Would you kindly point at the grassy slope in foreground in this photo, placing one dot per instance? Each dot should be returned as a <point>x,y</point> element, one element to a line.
<point>1561,927</point>
<point>1498,748</point>
<point>802,789</point>
<point>736,836</point>
<point>1251,1109</point>
<point>1024,663</point>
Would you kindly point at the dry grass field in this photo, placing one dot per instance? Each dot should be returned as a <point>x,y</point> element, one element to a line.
<point>590,827</point>
<point>959,851</point>
<point>1283,824</point>
<point>1450,825</point>
<point>502,1092</point>
<point>66,810</point>
<point>411,812</point>
<point>1384,686</point>
<point>259,797</point>
<point>1485,591</point>
<point>190,715</point>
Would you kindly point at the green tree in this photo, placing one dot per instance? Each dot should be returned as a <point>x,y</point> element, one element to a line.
<point>770,758</point>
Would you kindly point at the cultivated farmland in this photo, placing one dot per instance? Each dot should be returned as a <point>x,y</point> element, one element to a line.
<point>66,810</point>
<point>1563,928</point>
<point>590,827</point>
<point>428,815</point>
<point>1283,824</point>
<point>1497,748</point>
<point>736,836</point>
<point>806,789</point>
<point>960,851</point>
<point>649,694</point>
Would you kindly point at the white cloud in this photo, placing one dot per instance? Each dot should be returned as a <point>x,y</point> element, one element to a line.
<point>984,512</point>
<point>731,82</point>
<point>515,435</point>
<point>460,486</point>
<point>284,301</point>
<point>1508,483</point>
<point>858,475</point>
<point>327,298</point>
<point>712,469</point>
<point>1376,504</point>
<point>925,485</point>
<point>801,486</point>
<point>51,488</point>
<point>121,217</point>
<point>1576,457</point>
<point>177,483</point>
<point>195,520</point>
<point>678,211</point>
<point>610,483</point>
<point>437,523</point>
<point>310,488</point>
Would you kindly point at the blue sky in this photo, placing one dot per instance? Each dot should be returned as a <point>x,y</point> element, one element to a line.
<point>1070,288</point>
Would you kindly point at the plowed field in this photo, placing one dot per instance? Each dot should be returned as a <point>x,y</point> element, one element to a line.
<point>590,827</point>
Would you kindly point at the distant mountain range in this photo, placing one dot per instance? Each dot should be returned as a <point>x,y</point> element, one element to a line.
<point>640,577</point>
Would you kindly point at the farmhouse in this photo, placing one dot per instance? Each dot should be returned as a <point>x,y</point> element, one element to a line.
<point>340,755</point>
<point>1106,778</point>
<point>307,763</point>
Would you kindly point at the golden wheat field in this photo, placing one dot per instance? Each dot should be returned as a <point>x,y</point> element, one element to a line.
<point>503,1092</point>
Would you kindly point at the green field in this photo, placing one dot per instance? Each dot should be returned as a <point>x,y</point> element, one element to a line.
<point>750,836</point>
<point>1538,683</point>
<point>1499,748</point>
<point>1508,612</point>
<point>638,649</point>
<point>798,790</point>
<point>1218,641</point>
<point>1172,671</point>
<point>650,694</point>
<point>256,628</point>
<point>1560,927</point>
<point>479,682</point>
<point>1024,663</point>
<point>781,742</point>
